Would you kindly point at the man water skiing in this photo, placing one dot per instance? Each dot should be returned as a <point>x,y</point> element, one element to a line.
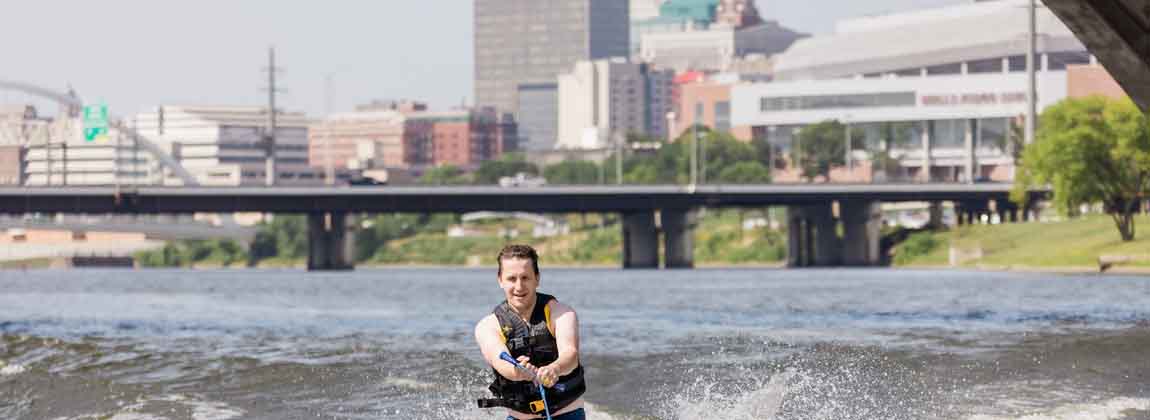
<point>542,334</point>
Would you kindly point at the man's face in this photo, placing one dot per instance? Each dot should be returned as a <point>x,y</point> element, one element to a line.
<point>518,281</point>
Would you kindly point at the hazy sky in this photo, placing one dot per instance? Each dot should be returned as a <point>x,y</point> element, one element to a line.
<point>133,54</point>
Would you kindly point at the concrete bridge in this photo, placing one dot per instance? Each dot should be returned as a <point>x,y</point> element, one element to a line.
<point>162,228</point>
<point>647,211</point>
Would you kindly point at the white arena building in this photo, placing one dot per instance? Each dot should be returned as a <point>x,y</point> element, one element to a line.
<point>936,88</point>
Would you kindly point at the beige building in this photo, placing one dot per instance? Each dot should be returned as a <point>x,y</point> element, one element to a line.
<point>602,100</point>
<point>225,145</point>
<point>357,140</point>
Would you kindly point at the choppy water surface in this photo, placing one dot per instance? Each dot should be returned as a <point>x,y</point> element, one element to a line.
<point>731,344</point>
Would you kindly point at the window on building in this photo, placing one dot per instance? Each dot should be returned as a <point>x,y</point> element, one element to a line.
<point>1059,60</point>
<point>989,65</point>
<point>866,136</point>
<point>915,72</point>
<point>788,103</point>
<point>723,116</point>
<point>944,69</point>
<point>1018,63</point>
<point>992,134</point>
<point>948,134</point>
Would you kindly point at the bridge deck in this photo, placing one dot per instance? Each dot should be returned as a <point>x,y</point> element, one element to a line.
<point>466,199</point>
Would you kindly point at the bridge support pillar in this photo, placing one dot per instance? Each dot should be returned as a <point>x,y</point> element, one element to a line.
<point>329,242</point>
<point>640,240</point>
<point>678,238</point>
<point>935,210</point>
<point>811,236</point>
<point>862,224</point>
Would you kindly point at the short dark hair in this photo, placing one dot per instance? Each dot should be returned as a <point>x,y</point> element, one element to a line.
<point>520,252</point>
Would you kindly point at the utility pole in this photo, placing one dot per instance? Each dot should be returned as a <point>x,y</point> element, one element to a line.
<point>1031,90</point>
<point>695,147</point>
<point>270,133</point>
<point>329,168</point>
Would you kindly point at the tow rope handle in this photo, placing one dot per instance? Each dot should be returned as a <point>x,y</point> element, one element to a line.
<point>542,394</point>
<point>507,357</point>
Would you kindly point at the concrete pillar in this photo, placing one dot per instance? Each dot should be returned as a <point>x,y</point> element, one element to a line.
<point>798,239</point>
<point>828,248</point>
<point>329,242</point>
<point>640,240</point>
<point>862,225</point>
<point>678,238</point>
<point>812,239</point>
<point>935,211</point>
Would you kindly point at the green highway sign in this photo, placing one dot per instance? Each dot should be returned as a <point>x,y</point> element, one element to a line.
<point>95,122</point>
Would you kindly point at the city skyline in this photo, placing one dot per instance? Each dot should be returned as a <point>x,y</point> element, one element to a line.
<point>166,54</point>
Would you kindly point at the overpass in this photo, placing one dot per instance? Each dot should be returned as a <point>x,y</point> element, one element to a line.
<point>1118,33</point>
<point>647,211</point>
<point>152,229</point>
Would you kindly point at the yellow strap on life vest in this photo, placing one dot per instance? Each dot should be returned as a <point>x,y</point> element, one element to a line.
<point>547,314</point>
<point>537,406</point>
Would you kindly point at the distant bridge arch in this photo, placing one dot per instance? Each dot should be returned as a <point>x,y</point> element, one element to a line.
<point>72,104</point>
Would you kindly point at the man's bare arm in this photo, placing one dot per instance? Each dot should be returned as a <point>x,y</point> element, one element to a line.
<point>566,337</point>
<point>492,345</point>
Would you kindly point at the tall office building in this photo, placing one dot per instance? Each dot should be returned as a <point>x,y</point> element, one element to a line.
<point>521,45</point>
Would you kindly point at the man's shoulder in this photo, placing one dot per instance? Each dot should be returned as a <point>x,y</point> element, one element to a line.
<point>558,307</point>
<point>487,321</point>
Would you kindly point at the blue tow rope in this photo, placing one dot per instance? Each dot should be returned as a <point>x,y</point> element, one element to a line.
<point>542,393</point>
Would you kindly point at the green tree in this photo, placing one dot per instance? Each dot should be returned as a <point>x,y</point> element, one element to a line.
<point>822,146</point>
<point>765,152</point>
<point>720,151</point>
<point>1091,150</point>
<point>746,172</point>
<point>285,236</point>
<point>642,173</point>
<point>376,231</point>
<point>509,164</point>
<point>444,175</point>
<point>572,172</point>
<point>893,135</point>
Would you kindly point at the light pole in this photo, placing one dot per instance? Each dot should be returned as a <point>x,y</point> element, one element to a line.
<point>618,158</point>
<point>670,127</point>
<point>1031,88</point>
<point>702,161</point>
<point>329,96</point>
<point>695,149</point>
<point>847,156</point>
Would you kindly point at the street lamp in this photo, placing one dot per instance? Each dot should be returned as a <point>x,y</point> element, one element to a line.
<point>1031,91</point>
<point>619,158</point>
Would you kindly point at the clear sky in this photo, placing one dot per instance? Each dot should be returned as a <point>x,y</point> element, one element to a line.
<point>134,54</point>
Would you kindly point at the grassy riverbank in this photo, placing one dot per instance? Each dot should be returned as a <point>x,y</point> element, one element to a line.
<point>1075,244</point>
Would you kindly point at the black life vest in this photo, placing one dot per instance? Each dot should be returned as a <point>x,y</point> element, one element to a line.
<point>536,341</point>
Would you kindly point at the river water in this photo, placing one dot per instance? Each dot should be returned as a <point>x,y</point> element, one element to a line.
<point>711,343</point>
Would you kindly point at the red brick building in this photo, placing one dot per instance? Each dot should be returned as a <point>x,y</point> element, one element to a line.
<point>1091,79</point>
<point>466,138</point>
<point>409,137</point>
